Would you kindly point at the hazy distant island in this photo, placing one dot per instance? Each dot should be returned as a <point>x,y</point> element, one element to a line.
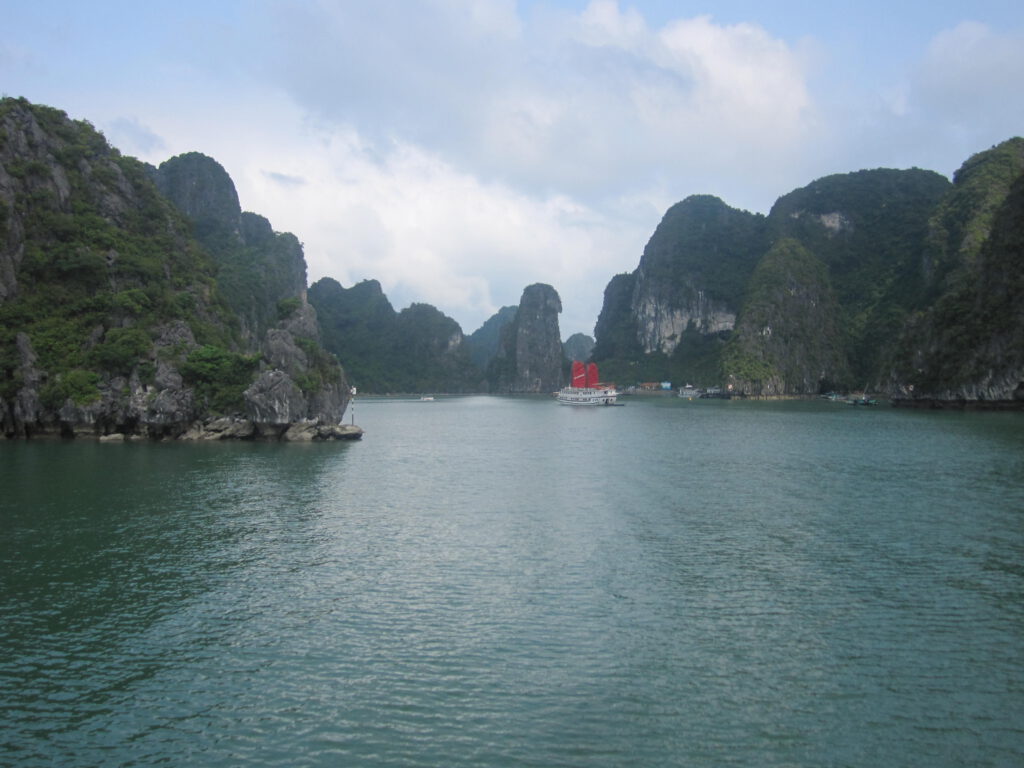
<point>141,301</point>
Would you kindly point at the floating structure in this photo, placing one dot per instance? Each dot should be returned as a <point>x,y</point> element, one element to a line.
<point>586,387</point>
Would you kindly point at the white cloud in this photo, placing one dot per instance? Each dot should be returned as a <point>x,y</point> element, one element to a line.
<point>971,75</point>
<point>587,105</point>
<point>458,152</point>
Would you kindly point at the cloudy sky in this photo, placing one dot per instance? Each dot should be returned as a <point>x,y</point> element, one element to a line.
<point>459,150</point>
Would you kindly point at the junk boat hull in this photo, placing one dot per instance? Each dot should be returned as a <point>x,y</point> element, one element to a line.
<point>586,389</point>
<point>586,396</point>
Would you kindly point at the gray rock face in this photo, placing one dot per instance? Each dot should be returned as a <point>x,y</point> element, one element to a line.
<point>661,319</point>
<point>530,358</point>
<point>538,341</point>
<point>27,411</point>
<point>684,276</point>
<point>30,169</point>
<point>275,399</point>
<point>281,351</point>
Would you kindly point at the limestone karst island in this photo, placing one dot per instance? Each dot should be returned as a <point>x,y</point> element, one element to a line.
<point>142,302</point>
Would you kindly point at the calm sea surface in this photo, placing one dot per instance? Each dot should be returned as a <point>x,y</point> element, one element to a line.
<point>506,582</point>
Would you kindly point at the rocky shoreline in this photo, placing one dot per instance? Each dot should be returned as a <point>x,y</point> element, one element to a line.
<point>225,428</point>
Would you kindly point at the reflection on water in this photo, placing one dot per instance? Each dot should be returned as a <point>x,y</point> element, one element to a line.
<point>495,581</point>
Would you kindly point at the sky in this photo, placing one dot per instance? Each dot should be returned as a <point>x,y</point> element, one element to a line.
<point>460,150</point>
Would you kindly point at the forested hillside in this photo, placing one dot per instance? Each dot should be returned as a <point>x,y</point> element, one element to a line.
<point>895,280</point>
<point>122,314</point>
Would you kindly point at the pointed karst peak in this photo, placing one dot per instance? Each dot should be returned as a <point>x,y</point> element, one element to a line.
<point>200,188</point>
<point>540,297</point>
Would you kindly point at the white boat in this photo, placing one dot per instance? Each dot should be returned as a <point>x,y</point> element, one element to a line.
<point>689,392</point>
<point>586,389</point>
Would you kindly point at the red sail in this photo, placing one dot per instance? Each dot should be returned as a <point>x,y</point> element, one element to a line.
<point>579,376</point>
<point>592,378</point>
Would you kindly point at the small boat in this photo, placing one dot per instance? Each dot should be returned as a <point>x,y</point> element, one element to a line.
<point>426,399</point>
<point>864,400</point>
<point>689,392</point>
<point>586,388</point>
<point>715,393</point>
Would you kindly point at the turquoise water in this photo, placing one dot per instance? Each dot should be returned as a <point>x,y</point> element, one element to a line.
<point>506,582</point>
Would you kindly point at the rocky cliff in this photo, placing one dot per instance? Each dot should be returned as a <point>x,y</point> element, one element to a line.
<point>529,358</point>
<point>692,271</point>
<point>967,345</point>
<point>419,349</point>
<point>890,279</point>
<point>256,267</point>
<point>787,338</point>
<point>112,317</point>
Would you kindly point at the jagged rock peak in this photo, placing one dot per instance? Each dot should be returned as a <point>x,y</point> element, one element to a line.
<point>692,271</point>
<point>201,189</point>
<point>530,357</point>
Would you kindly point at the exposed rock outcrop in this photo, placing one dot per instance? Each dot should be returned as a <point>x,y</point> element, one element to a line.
<point>114,320</point>
<point>530,358</point>
<point>692,271</point>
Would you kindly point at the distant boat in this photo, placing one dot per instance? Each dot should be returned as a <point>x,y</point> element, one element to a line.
<point>863,399</point>
<point>689,392</point>
<point>586,388</point>
<point>715,393</point>
<point>426,399</point>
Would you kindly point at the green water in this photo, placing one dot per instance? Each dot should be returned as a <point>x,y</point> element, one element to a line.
<point>507,582</point>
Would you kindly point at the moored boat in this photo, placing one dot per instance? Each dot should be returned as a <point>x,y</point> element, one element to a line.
<point>689,392</point>
<point>586,388</point>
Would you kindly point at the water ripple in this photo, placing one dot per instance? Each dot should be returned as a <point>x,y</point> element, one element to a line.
<point>767,585</point>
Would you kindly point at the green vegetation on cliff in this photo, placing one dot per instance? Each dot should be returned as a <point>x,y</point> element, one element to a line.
<point>895,255</point>
<point>969,343</point>
<point>123,310</point>
<point>702,244</point>
<point>786,338</point>
<point>255,266</point>
<point>104,258</point>
<point>416,350</point>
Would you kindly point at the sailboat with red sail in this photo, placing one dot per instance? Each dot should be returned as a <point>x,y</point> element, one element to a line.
<point>586,387</point>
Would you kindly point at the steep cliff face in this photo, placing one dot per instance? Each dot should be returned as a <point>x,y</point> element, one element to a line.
<point>787,339</point>
<point>112,319</point>
<point>256,267</point>
<point>201,189</point>
<point>867,229</point>
<point>870,228</point>
<point>52,169</point>
<point>964,218</point>
<point>615,334</point>
<point>262,276</point>
<point>968,345</point>
<point>530,357</point>
<point>419,349</point>
<point>692,271</point>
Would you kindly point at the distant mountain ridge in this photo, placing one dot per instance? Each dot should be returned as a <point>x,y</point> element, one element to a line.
<point>839,286</point>
<point>142,301</point>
